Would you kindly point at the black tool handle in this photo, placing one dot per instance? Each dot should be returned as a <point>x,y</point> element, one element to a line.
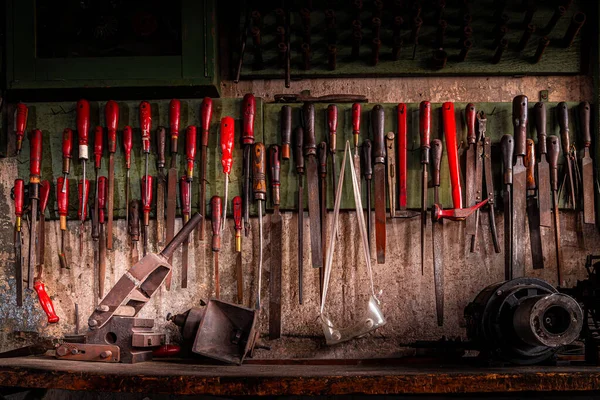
<point>298,154</point>
<point>507,145</point>
<point>367,167</point>
<point>584,120</point>
<point>377,127</point>
<point>181,236</point>
<point>322,156</point>
<point>553,151</point>
<point>562,112</point>
<point>520,124</point>
<point>308,122</point>
<point>540,126</point>
<point>286,131</point>
<point>436,161</point>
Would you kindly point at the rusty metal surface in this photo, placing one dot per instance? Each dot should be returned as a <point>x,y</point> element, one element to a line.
<point>104,353</point>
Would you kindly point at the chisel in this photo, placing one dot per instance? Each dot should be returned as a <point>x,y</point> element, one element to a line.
<point>259,188</point>
<point>21,113</point>
<point>355,136</point>
<point>553,152</point>
<point>172,176</point>
<point>111,116</point>
<point>587,165</point>
<point>322,153</point>
<point>184,193</point>
<point>35,162</point>
<point>424,133</point>
<point>83,191</point>
<point>216,219</point>
<point>367,168</point>
<point>437,232</point>
<point>127,145</point>
<point>507,145</point>
<point>286,131</point>
<point>533,211</point>
<point>276,256</point>
<point>102,187</point>
<point>519,189</point>
<point>98,148</point>
<point>332,123</point>
<point>161,144</point>
<point>145,115</point>
<point>543,169</point>
<point>562,113</point>
<point>19,197</point>
<point>248,111</point>
<point>299,159</point>
<point>473,175</point>
<point>134,228</point>
<point>67,148</point>
<point>227,128</point>
<point>63,210</point>
<point>312,178</point>
<point>239,272</point>
<point>205,118</point>
<point>377,128</point>
<point>83,128</point>
<point>146,183</point>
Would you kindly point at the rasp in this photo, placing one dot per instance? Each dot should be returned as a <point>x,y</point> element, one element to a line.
<point>553,152</point>
<point>377,128</point>
<point>519,189</point>
<point>35,162</point>
<point>205,119</point>
<point>367,169</point>
<point>507,145</point>
<point>424,134</point>
<point>21,113</point>
<point>437,232</point>
<point>102,187</point>
<point>322,153</point>
<point>400,154</point>
<point>62,199</point>
<point>390,161</point>
<point>299,161</point>
<point>19,197</point>
<point>472,174</point>
<point>486,169</point>
<point>127,146</point>
<point>239,272</point>
<point>312,178</point>
<point>161,143</point>
<point>248,112</point>
<point>587,165</point>
<point>543,169</point>
<point>562,112</point>
<point>111,117</point>
<point>276,234</point>
<point>184,193</point>
<point>259,189</point>
<point>216,208</point>
<point>332,123</point>
<point>355,136</point>
<point>172,175</point>
<point>533,211</point>
<point>83,128</point>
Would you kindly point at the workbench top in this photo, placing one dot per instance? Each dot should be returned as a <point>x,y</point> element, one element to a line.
<point>291,377</point>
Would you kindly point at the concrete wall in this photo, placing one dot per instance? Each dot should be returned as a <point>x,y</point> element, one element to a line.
<point>407,296</point>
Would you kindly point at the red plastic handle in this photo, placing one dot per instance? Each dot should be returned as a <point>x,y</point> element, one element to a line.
<point>452,148</point>
<point>35,155</point>
<point>166,350</point>
<point>174,116</point>
<point>401,145</point>
<point>332,118</point>
<point>44,195</point>
<point>127,145</point>
<point>249,110</point>
<point>19,194</point>
<point>67,143</point>
<point>145,125</point>
<point>83,126</point>
<point>356,118</point>
<point>227,126</point>
<point>205,117</point>
<point>21,113</point>
<point>98,146</point>
<point>425,123</point>
<point>111,116</point>
<point>470,114</point>
<point>45,302</point>
<point>147,193</point>
<point>101,198</point>
<point>237,213</point>
<point>83,202</point>
<point>184,193</point>
<point>190,150</point>
<point>62,198</point>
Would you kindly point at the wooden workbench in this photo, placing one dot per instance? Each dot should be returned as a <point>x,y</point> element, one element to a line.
<point>293,378</point>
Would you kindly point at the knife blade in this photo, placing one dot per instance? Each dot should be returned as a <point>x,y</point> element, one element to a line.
<point>587,165</point>
<point>544,193</point>
<point>519,189</point>
<point>533,211</point>
<point>377,127</point>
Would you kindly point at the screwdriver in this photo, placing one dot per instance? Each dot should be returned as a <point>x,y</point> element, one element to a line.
<point>21,113</point>
<point>184,193</point>
<point>62,195</point>
<point>259,187</point>
<point>206,117</point>
<point>227,125</point>
<point>127,145</point>
<point>332,123</point>
<point>190,151</point>
<point>237,219</point>
<point>299,161</point>
<point>35,162</point>
<point>215,211</point>
<point>111,116</point>
<point>146,207</point>
<point>145,126</point>
<point>83,127</point>
<point>67,148</point>
<point>83,191</point>
<point>19,197</point>
<point>98,147</point>
<point>101,199</point>
<point>248,110</point>
<point>134,228</point>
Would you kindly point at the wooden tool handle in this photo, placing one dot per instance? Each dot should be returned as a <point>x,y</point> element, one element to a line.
<point>67,149</point>
<point>184,194</point>
<point>377,127</point>
<point>181,236</point>
<point>35,156</point>
<point>507,145</point>
<point>520,124</point>
<point>286,131</point>
<point>134,220</point>
<point>98,146</point>
<point>553,152</point>
<point>111,116</point>
<point>127,145</point>
<point>452,149</point>
<point>322,157</point>
<point>83,202</point>
<point>216,216</point>
<point>275,168</point>
<point>308,122</point>
<point>259,167</point>
<point>530,164</point>
<point>205,118</point>
<point>355,122</point>
<point>584,121</point>
<point>145,125</point>
<point>45,302</point>
<point>562,112</point>
<point>21,113</point>
<point>227,127</point>
<point>470,114</point>
<point>367,163</point>
<point>63,201</point>
<point>174,116</point>
<point>332,123</point>
<point>102,186</point>
<point>436,161</point>
<point>190,151</point>
<point>298,149</point>
<point>83,126</point>
<point>249,111</point>
<point>161,144</point>
<point>540,126</point>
